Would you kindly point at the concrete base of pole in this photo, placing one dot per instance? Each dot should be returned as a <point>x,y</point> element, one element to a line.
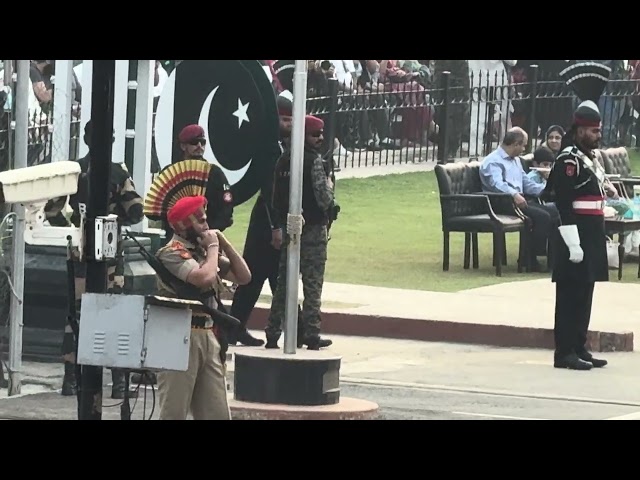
<point>271,385</point>
<point>346,409</point>
<point>270,376</point>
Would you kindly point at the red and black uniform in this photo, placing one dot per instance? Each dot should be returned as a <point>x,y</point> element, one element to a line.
<point>580,258</point>
<point>580,197</point>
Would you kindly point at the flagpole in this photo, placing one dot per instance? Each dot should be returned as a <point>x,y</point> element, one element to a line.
<point>294,219</point>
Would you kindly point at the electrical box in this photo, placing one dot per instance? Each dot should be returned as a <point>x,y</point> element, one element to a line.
<point>135,331</point>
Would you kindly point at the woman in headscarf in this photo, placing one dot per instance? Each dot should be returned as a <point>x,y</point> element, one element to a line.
<point>553,138</point>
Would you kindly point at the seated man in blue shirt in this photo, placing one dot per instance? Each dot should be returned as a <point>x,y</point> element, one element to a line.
<point>501,171</point>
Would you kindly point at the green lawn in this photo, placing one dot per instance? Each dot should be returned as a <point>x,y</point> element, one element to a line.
<point>389,234</point>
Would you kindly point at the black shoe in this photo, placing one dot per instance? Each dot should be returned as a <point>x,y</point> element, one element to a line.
<point>572,362</point>
<point>117,387</point>
<point>596,362</point>
<point>272,342</point>
<point>245,338</point>
<point>317,342</point>
<point>69,384</point>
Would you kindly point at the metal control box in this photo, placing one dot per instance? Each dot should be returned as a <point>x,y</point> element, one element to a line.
<point>134,331</point>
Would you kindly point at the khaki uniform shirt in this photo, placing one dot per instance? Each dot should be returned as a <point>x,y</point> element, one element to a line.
<point>180,257</point>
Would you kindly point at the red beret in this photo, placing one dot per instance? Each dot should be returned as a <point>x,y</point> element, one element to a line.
<point>191,132</point>
<point>186,212</point>
<point>312,124</point>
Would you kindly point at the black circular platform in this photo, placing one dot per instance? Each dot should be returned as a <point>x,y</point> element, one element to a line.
<point>270,376</point>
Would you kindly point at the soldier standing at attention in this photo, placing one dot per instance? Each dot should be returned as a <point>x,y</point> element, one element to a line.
<point>124,202</point>
<point>201,257</point>
<point>317,198</point>
<point>578,181</point>
<point>263,242</point>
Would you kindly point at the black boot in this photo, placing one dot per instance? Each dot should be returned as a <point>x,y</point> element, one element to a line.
<point>69,384</point>
<point>596,362</point>
<point>272,341</point>
<point>572,362</point>
<point>117,387</point>
<point>245,338</point>
<point>316,342</point>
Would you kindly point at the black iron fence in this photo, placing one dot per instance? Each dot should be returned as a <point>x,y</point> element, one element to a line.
<point>414,121</point>
<point>413,118</point>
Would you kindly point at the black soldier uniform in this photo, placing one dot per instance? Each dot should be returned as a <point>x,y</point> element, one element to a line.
<point>577,181</point>
<point>124,202</point>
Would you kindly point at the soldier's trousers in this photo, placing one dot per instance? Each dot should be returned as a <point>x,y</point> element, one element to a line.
<point>572,317</point>
<point>263,261</point>
<point>313,257</point>
<point>202,388</point>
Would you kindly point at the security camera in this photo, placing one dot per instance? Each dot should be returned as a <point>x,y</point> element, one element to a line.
<point>33,187</point>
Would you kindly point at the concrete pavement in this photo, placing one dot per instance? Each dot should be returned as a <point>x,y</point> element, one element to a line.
<point>416,380</point>
<point>513,314</point>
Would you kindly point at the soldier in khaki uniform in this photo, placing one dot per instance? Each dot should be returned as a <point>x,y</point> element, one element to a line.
<point>201,257</point>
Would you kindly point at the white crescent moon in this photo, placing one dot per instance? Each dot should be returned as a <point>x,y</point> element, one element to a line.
<point>234,176</point>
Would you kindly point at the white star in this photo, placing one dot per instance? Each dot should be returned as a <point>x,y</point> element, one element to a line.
<point>241,113</point>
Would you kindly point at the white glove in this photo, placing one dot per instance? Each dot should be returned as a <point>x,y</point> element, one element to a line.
<point>572,240</point>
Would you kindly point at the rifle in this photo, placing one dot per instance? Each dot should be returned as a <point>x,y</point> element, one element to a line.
<point>71,284</point>
<point>187,291</point>
<point>72,318</point>
<point>334,209</point>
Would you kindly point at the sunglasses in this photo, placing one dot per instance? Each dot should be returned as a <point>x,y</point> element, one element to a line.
<point>197,141</point>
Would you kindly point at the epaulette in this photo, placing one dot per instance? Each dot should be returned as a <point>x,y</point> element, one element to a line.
<point>570,155</point>
<point>571,150</point>
<point>177,246</point>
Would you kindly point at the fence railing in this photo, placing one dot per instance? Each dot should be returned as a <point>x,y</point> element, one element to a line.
<point>415,119</point>
<point>394,123</point>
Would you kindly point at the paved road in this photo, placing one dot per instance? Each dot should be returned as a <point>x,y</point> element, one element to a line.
<point>419,403</point>
<point>396,403</point>
<point>418,380</point>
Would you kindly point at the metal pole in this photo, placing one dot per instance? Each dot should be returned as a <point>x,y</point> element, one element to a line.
<point>62,110</point>
<point>143,129</point>
<point>295,205</point>
<point>17,270</point>
<point>85,113</point>
<point>120,110</point>
<point>8,73</point>
<point>102,94</point>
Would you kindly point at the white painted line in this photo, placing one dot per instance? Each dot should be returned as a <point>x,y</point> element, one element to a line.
<point>629,416</point>
<point>26,390</point>
<point>488,415</point>
<point>481,391</point>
